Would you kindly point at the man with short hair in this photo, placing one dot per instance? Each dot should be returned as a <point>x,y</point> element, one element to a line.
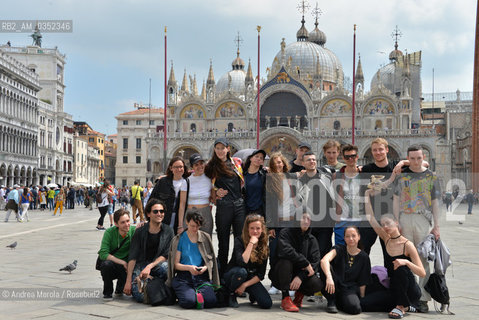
<point>297,163</point>
<point>331,150</point>
<point>317,202</point>
<point>13,198</point>
<point>348,205</point>
<point>115,246</point>
<point>416,205</point>
<point>470,201</point>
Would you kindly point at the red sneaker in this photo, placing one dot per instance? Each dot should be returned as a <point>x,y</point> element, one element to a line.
<point>288,305</point>
<point>298,299</point>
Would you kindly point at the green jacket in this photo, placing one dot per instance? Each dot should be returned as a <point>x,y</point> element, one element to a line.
<point>111,240</point>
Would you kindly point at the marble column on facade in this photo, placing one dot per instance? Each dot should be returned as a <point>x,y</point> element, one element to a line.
<point>277,120</point>
<point>289,121</point>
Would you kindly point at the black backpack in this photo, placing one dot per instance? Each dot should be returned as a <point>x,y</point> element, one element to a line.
<point>437,288</point>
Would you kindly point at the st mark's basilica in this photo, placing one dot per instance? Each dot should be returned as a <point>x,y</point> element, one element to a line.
<point>303,98</point>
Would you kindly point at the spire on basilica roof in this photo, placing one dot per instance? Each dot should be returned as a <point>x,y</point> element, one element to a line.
<point>172,80</point>
<point>211,77</point>
<point>302,34</point>
<point>249,73</point>
<point>395,54</point>
<point>203,91</point>
<point>184,84</point>
<point>317,36</point>
<point>238,63</point>
<point>359,70</point>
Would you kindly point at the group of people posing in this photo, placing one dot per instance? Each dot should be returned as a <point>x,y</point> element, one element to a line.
<point>287,213</point>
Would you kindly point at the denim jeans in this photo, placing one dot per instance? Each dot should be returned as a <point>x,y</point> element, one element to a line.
<point>160,270</point>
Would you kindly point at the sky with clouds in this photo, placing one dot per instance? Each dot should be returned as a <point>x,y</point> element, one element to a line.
<point>117,46</point>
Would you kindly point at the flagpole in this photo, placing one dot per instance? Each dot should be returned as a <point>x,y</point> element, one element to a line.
<point>354,84</point>
<point>257,88</point>
<point>165,115</point>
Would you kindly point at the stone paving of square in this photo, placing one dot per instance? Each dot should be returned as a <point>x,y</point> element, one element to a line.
<point>47,243</point>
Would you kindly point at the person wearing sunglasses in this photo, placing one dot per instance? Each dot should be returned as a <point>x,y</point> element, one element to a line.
<point>149,250</point>
<point>348,205</point>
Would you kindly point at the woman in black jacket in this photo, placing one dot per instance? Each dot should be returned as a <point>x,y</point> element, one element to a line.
<point>226,175</point>
<point>296,265</point>
<point>255,182</point>
<point>167,189</point>
<point>247,266</point>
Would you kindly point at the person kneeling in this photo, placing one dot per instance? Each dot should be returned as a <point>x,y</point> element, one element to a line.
<point>346,281</point>
<point>149,254</point>
<point>114,249</point>
<point>247,266</point>
<point>296,265</point>
<point>192,270</point>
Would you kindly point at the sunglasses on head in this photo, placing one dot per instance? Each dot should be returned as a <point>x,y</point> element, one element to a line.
<point>158,211</point>
<point>349,156</point>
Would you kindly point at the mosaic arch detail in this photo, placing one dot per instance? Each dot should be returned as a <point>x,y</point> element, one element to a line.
<point>193,111</point>
<point>283,143</point>
<point>378,106</point>
<point>230,110</point>
<point>336,107</point>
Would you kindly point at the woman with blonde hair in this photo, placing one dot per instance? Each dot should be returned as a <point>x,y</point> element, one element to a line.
<point>247,266</point>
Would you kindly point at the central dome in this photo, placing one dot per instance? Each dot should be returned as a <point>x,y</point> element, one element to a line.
<point>304,55</point>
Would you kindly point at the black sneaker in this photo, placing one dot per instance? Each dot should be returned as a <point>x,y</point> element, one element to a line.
<point>331,308</point>
<point>422,307</point>
<point>107,297</point>
<point>232,302</point>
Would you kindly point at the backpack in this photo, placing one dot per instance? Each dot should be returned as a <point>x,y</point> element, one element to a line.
<point>99,199</point>
<point>437,288</point>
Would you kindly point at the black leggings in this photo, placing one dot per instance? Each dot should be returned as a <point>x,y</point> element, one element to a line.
<point>403,291</point>
<point>284,272</point>
<point>228,215</point>
<point>103,211</point>
<point>346,299</point>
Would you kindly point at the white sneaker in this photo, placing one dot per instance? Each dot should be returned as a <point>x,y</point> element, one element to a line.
<point>273,291</point>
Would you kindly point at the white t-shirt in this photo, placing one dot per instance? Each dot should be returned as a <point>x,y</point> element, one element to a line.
<point>200,189</point>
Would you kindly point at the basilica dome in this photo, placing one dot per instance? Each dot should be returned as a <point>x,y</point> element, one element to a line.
<point>305,55</point>
<point>385,76</point>
<point>234,79</point>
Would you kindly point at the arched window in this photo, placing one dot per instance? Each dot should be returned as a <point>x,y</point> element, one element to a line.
<point>230,127</point>
<point>337,125</point>
<point>193,127</point>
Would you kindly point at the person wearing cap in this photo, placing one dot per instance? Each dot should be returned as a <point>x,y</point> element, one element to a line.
<point>226,175</point>
<point>196,192</point>
<point>297,163</point>
<point>255,182</point>
<point>12,203</point>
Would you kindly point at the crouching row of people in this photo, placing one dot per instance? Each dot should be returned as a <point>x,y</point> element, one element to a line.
<point>187,267</point>
<point>186,262</point>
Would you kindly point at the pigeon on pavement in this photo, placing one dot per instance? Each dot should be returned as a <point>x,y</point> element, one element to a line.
<point>12,246</point>
<point>72,266</point>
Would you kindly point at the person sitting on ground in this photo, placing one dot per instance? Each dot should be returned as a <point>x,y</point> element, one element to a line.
<point>247,266</point>
<point>192,269</point>
<point>296,264</point>
<point>149,250</point>
<point>402,260</point>
<point>115,246</point>
<point>347,277</point>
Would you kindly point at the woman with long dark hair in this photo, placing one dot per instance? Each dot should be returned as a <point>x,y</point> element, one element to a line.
<point>103,204</point>
<point>255,182</point>
<point>247,266</point>
<point>347,270</point>
<point>196,193</point>
<point>167,189</point>
<point>226,175</point>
